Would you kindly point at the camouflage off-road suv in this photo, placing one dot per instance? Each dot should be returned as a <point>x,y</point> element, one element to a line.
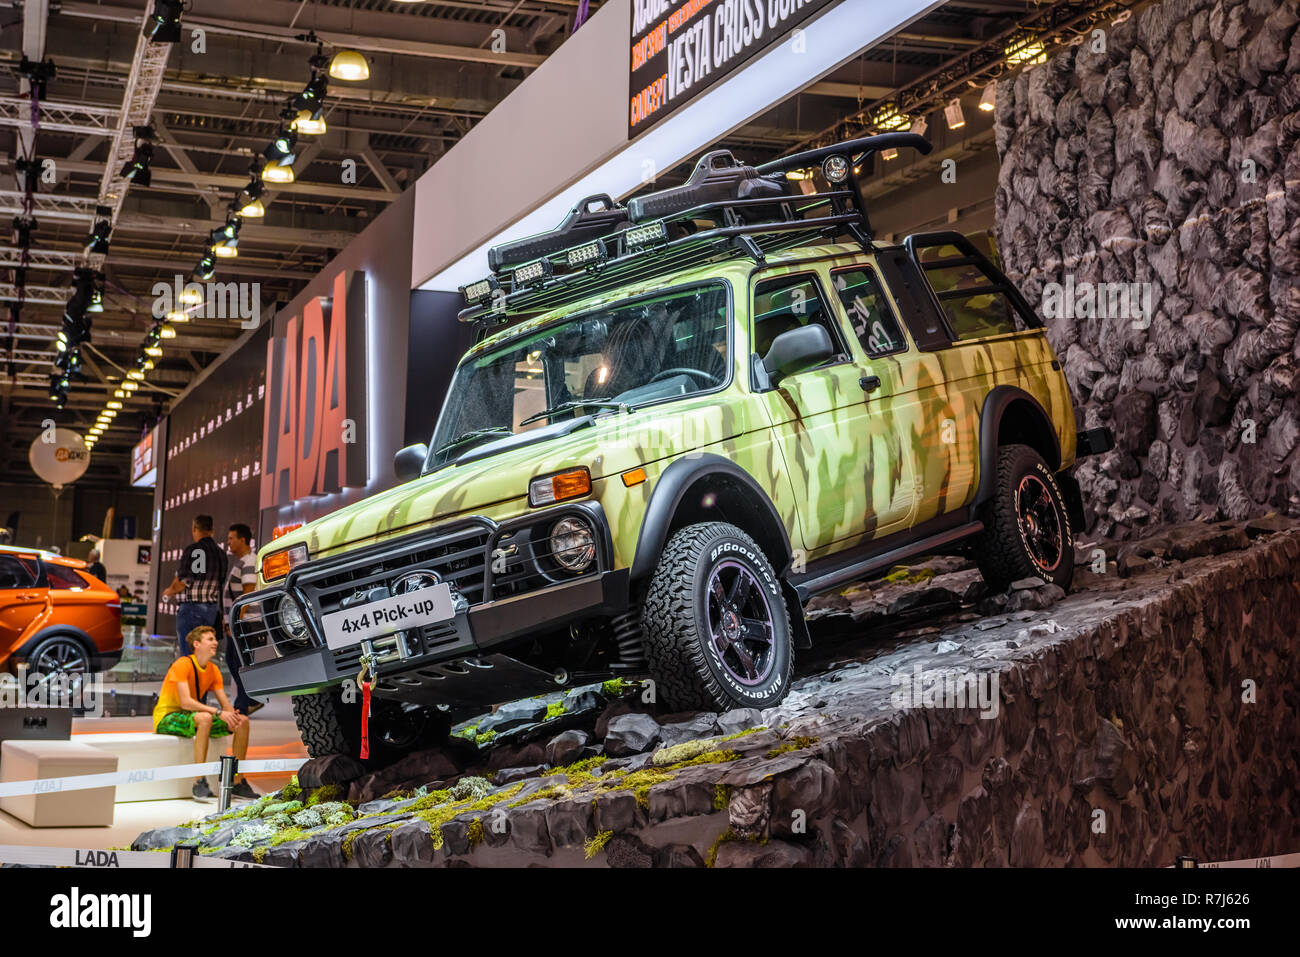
<point>708,406</point>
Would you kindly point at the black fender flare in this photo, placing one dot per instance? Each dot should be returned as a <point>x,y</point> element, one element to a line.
<point>668,492</point>
<point>995,406</point>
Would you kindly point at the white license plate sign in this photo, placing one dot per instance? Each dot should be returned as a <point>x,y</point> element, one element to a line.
<point>428,606</point>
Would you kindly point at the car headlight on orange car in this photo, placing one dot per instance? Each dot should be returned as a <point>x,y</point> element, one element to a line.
<point>278,564</point>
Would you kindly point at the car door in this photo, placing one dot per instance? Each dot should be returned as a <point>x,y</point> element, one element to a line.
<point>910,391</point>
<point>851,475</point>
<point>22,599</point>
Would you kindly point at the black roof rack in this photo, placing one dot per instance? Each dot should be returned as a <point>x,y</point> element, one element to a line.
<point>724,210</point>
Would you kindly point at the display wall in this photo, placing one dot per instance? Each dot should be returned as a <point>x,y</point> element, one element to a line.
<point>1170,159</point>
<point>212,465</point>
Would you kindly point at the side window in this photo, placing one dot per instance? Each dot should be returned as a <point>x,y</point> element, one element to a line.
<point>972,299</point>
<point>868,310</point>
<point>792,302</point>
<point>63,577</point>
<point>15,573</point>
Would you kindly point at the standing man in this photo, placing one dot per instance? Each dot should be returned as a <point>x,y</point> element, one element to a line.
<point>96,567</point>
<point>241,580</point>
<point>199,577</point>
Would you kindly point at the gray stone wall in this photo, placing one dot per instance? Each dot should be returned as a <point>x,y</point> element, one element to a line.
<point>1170,159</point>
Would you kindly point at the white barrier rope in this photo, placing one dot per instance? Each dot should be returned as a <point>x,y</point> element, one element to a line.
<point>92,857</point>
<point>113,778</point>
<point>1262,863</point>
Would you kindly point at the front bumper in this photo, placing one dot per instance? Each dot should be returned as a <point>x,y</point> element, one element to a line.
<point>500,570</point>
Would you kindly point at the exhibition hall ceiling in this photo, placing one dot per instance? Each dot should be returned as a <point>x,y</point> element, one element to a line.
<point>215,102</point>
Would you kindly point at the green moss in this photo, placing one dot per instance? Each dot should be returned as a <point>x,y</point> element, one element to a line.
<point>594,846</point>
<point>347,842</point>
<point>259,854</point>
<point>288,834</point>
<point>711,858</point>
<point>896,574</point>
<point>795,744</point>
<point>484,738</point>
<point>439,815</point>
<point>291,791</point>
<point>615,687</point>
<point>721,797</point>
<point>555,709</point>
<point>432,799</point>
<point>325,794</point>
<point>741,734</point>
<point>468,734</point>
<point>475,834</point>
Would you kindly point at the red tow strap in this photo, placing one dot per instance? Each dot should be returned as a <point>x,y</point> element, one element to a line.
<point>365,719</point>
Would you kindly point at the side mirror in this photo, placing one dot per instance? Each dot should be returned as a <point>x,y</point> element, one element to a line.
<point>408,463</point>
<point>796,350</point>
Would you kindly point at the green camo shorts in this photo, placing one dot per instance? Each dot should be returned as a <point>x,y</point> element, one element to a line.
<point>181,723</point>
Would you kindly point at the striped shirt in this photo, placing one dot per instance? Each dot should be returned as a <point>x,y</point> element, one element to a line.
<point>243,571</point>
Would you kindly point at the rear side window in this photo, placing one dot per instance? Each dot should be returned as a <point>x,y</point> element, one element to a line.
<point>63,577</point>
<point>16,573</point>
<point>971,298</point>
<point>792,302</point>
<point>868,310</point>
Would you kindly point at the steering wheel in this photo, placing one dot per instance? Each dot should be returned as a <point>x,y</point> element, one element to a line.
<point>707,378</point>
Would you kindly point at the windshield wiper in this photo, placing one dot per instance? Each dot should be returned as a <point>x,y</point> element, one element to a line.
<point>578,404</point>
<point>471,436</point>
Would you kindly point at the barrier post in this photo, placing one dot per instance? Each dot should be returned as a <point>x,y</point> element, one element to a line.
<point>183,854</point>
<point>229,766</point>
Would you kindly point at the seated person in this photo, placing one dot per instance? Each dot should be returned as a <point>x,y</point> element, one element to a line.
<point>181,709</point>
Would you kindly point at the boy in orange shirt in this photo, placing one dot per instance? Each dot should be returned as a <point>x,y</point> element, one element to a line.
<point>181,709</point>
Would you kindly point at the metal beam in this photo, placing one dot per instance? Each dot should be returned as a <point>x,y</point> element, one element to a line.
<point>209,194</point>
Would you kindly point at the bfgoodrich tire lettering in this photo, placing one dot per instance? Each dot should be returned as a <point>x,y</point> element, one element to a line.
<point>709,594</point>
<point>1026,500</point>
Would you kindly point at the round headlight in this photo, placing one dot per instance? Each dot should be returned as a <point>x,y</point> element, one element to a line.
<point>291,618</point>
<point>573,544</point>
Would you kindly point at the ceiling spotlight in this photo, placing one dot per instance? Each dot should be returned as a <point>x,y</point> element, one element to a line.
<point>229,233</point>
<point>206,269</point>
<point>166,331</point>
<point>135,374</point>
<point>277,174</point>
<point>154,351</point>
<point>191,295</point>
<point>118,394</point>
<point>148,363</point>
<point>164,24</point>
<point>97,241</point>
<point>309,122</point>
<point>349,65</point>
<point>136,169</point>
<point>954,115</point>
<point>23,227</point>
<point>989,98</point>
<point>130,385</point>
<point>919,126</point>
<point>280,150</point>
<point>227,251</point>
<point>114,405</point>
<point>313,93</point>
<point>889,154</point>
<point>254,210</point>
<point>178,315</point>
<point>96,431</point>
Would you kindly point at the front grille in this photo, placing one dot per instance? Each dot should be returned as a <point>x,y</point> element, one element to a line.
<point>432,637</point>
<point>458,556</point>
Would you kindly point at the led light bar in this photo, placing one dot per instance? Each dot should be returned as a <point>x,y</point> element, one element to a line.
<point>587,254</point>
<point>531,273</point>
<point>480,291</point>
<point>655,232</point>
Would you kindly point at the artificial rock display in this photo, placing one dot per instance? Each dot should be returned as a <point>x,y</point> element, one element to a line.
<point>1171,159</point>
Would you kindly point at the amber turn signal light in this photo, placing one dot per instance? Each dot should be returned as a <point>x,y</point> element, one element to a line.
<point>557,488</point>
<point>634,477</point>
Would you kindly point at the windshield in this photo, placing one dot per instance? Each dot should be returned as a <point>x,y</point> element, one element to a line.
<point>624,355</point>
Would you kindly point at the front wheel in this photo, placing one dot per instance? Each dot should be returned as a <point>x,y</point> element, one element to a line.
<point>1026,524</point>
<point>717,632</point>
<point>328,724</point>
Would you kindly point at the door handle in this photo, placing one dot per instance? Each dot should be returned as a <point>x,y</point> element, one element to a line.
<point>869,383</point>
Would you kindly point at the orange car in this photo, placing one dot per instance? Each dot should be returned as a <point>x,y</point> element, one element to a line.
<point>55,615</point>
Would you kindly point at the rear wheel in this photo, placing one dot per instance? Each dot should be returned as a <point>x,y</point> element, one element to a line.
<point>717,631</point>
<point>58,654</point>
<point>1026,524</point>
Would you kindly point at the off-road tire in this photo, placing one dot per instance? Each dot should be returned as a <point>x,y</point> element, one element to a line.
<point>683,660</point>
<point>327,724</point>
<point>1002,550</point>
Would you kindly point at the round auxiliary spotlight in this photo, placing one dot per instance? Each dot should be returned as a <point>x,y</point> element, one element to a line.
<point>836,168</point>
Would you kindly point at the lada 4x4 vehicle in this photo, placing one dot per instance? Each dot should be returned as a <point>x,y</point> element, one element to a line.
<point>684,417</point>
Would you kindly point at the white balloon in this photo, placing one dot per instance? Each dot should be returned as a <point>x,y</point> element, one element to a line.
<point>62,461</point>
